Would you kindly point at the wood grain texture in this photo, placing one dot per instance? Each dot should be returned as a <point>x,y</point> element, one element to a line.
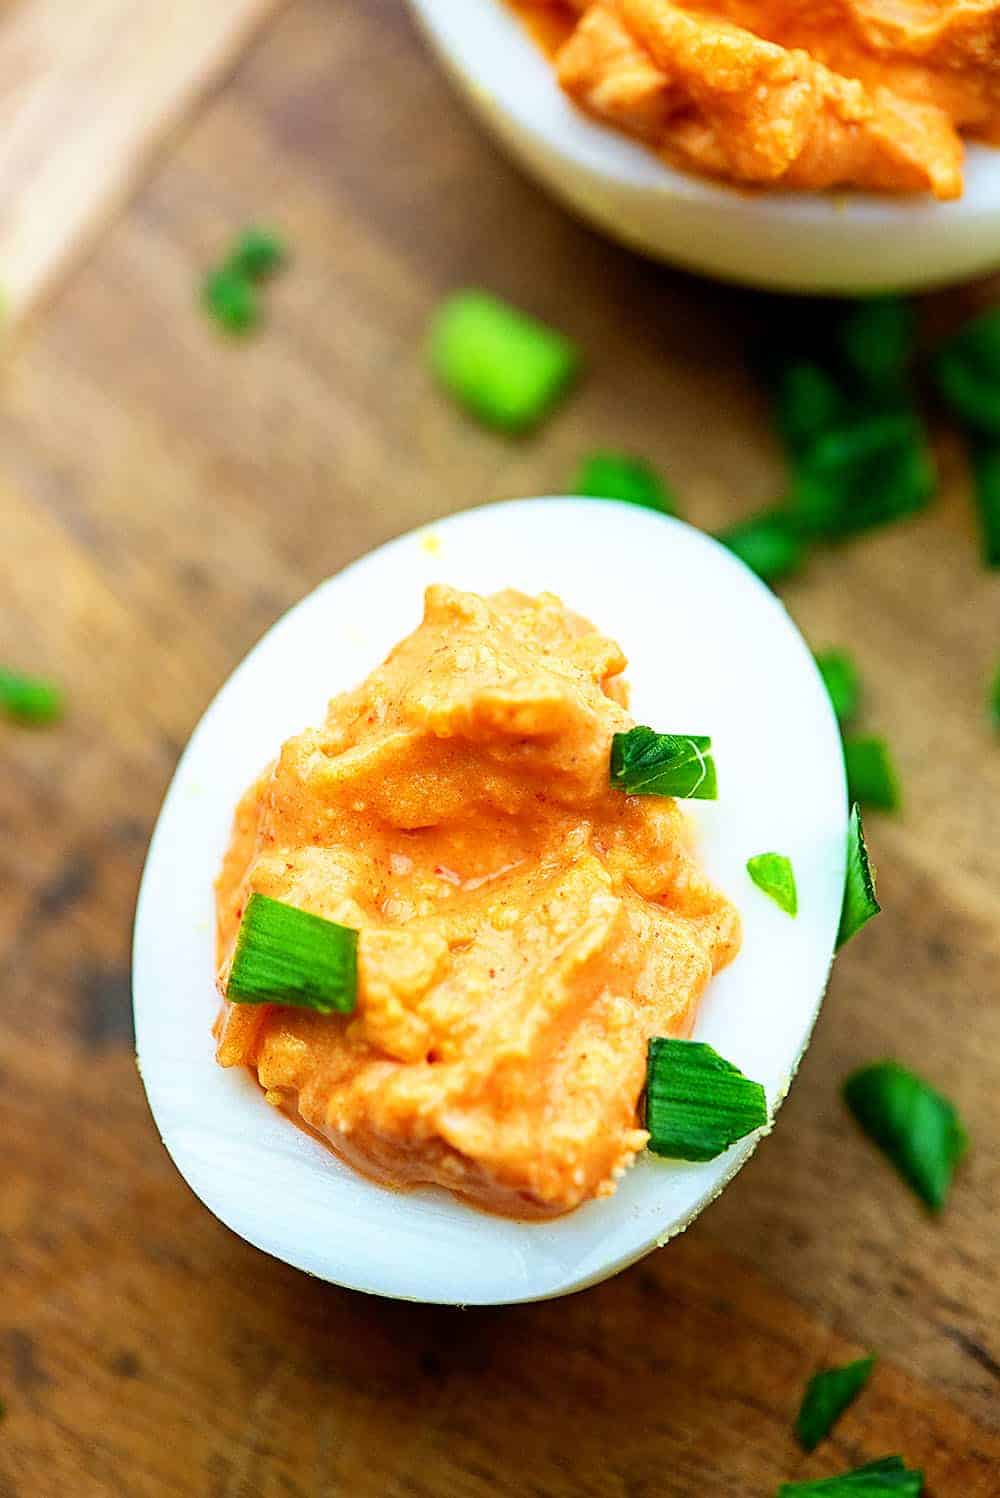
<point>163,496</point>
<point>87,94</point>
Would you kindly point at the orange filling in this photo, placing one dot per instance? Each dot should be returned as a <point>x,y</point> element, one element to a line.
<point>524,929</point>
<point>843,93</point>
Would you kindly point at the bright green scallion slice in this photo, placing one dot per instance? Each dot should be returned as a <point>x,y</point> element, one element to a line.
<point>888,1478</point>
<point>287,956</point>
<point>871,775</point>
<point>773,873</point>
<point>697,1103</point>
<point>827,1396</point>
<point>608,475</point>
<point>917,1128</point>
<point>860,894</point>
<point>28,699</point>
<point>647,763</point>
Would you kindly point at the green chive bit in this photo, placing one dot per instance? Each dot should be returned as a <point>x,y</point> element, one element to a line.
<point>860,892</point>
<point>887,1478</point>
<point>768,543</point>
<point>918,1129</point>
<point>231,299</point>
<point>773,873</point>
<point>827,1396</point>
<point>986,472</point>
<point>867,473</point>
<point>29,700</point>
<point>287,956</point>
<point>697,1103</point>
<point>501,365</point>
<point>257,254</point>
<point>842,681</point>
<point>994,700</point>
<point>647,763</point>
<point>807,403</point>
<point>608,475</point>
<point>871,775</point>
<point>967,373</point>
<point>876,338</point>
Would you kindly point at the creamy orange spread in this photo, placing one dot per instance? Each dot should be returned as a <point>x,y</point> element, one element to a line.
<point>524,928</point>
<point>851,93</point>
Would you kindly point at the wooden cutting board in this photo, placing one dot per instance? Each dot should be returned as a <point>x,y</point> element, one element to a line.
<point>164,495</point>
<point>89,90</point>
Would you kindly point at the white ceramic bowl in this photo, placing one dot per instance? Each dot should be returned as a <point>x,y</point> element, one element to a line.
<point>806,242</point>
<point>711,650</point>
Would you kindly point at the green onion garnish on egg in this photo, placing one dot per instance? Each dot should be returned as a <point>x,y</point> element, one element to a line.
<point>501,365</point>
<point>28,699</point>
<point>697,1103</point>
<point>827,1396</point>
<point>608,475</point>
<point>287,956</point>
<point>871,775</point>
<point>773,873</point>
<point>917,1128</point>
<point>646,763</point>
<point>842,681</point>
<point>860,893</point>
<point>888,1478</point>
<point>768,543</point>
<point>986,474</point>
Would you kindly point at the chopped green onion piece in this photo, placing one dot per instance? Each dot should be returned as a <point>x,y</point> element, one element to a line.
<point>888,1478</point>
<point>967,372</point>
<point>986,471</point>
<point>867,473</point>
<point>231,299</point>
<point>647,763</point>
<point>826,1398</point>
<point>842,681</point>
<point>860,893</point>
<point>697,1103</point>
<point>915,1126</point>
<point>257,254</point>
<point>768,543</point>
<point>808,402</point>
<point>504,367</point>
<point>287,956</point>
<point>876,338</point>
<point>28,699</point>
<point>995,700</point>
<point>773,873</point>
<point>606,475</point>
<point>871,775</point>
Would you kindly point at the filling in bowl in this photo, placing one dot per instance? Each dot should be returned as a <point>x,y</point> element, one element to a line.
<point>777,93</point>
<point>525,928</point>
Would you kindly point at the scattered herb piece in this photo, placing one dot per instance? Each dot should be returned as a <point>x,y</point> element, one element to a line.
<point>287,956</point>
<point>807,403</point>
<point>842,680</point>
<point>231,299</point>
<point>876,339</point>
<point>773,873</point>
<point>29,700</point>
<point>994,702</point>
<point>697,1103</point>
<point>503,366</point>
<point>257,254</point>
<point>864,474</point>
<point>967,373</point>
<point>768,543</point>
<point>606,475</point>
<point>888,1478</point>
<point>647,763</point>
<point>871,776</point>
<point>860,893</point>
<point>915,1126</point>
<point>826,1398</point>
<point>986,473</point>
